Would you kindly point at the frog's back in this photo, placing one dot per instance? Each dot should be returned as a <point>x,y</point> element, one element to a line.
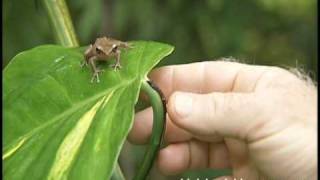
<point>106,42</point>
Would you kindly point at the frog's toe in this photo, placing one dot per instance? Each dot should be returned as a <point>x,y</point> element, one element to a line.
<point>95,76</point>
<point>92,79</point>
<point>116,66</point>
<point>83,64</point>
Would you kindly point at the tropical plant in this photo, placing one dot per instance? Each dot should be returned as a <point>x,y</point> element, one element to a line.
<point>59,125</point>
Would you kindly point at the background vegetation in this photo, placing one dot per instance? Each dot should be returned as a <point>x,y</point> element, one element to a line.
<point>266,32</point>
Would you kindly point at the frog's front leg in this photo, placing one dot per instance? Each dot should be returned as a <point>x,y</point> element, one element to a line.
<point>117,65</point>
<point>84,63</point>
<point>86,55</point>
<point>126,45</point>
<point>95,70</point>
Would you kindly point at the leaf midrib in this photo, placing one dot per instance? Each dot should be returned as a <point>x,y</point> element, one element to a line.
<point>74,106</point>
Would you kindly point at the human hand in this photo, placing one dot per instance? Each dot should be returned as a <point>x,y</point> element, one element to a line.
<point>259,121</point>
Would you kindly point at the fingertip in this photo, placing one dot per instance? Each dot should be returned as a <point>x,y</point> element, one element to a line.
<point>180,106</point>
<point>192,112</point>
<point>142,129</point>
<point>171,109</point>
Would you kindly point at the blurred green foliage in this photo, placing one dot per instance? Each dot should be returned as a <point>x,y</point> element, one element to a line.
<point>26,24</point>
<point>269,32</point>
<point>266,32</point>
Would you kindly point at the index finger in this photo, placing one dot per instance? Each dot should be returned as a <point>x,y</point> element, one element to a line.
<point>206,77</point>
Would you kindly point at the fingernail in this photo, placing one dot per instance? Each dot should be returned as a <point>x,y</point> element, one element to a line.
<point>183,104</point>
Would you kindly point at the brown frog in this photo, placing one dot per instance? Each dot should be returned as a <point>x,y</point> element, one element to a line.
<point>102,50</point>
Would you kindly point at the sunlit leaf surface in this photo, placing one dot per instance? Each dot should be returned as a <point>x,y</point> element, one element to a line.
<point>59,125</point>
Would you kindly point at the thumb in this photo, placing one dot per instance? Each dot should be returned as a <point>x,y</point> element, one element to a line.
<point>225,114</point>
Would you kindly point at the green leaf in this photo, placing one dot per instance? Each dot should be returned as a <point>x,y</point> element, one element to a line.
<point>58,125</point>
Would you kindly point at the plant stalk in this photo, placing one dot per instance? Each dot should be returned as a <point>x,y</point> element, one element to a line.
<point>60,19</point>
<point>158,104</point>
<point>117,173</point>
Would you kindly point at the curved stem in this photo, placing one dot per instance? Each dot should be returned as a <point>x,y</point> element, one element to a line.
<point>61,21</point>
<point>158,104</point>
<point>117,173</point>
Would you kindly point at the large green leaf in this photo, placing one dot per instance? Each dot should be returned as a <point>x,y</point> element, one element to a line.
<point>58,125</point>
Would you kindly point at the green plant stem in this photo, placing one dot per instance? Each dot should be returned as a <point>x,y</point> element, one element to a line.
<point>60,19</point>
<point>159,116</point>
<point>117,173</point>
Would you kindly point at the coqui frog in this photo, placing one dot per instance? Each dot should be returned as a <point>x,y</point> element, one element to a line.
<point>102,50</point>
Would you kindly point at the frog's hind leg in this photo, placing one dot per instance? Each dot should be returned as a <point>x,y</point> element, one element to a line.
<point>117,65</point>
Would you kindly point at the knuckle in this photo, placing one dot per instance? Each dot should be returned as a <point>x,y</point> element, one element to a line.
<point>217,102</point>
<point>279,72</point>
<point>278,77</point>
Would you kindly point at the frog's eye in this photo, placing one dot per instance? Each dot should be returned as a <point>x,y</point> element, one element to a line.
<point>114,47</point>
<point>99,51</point>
